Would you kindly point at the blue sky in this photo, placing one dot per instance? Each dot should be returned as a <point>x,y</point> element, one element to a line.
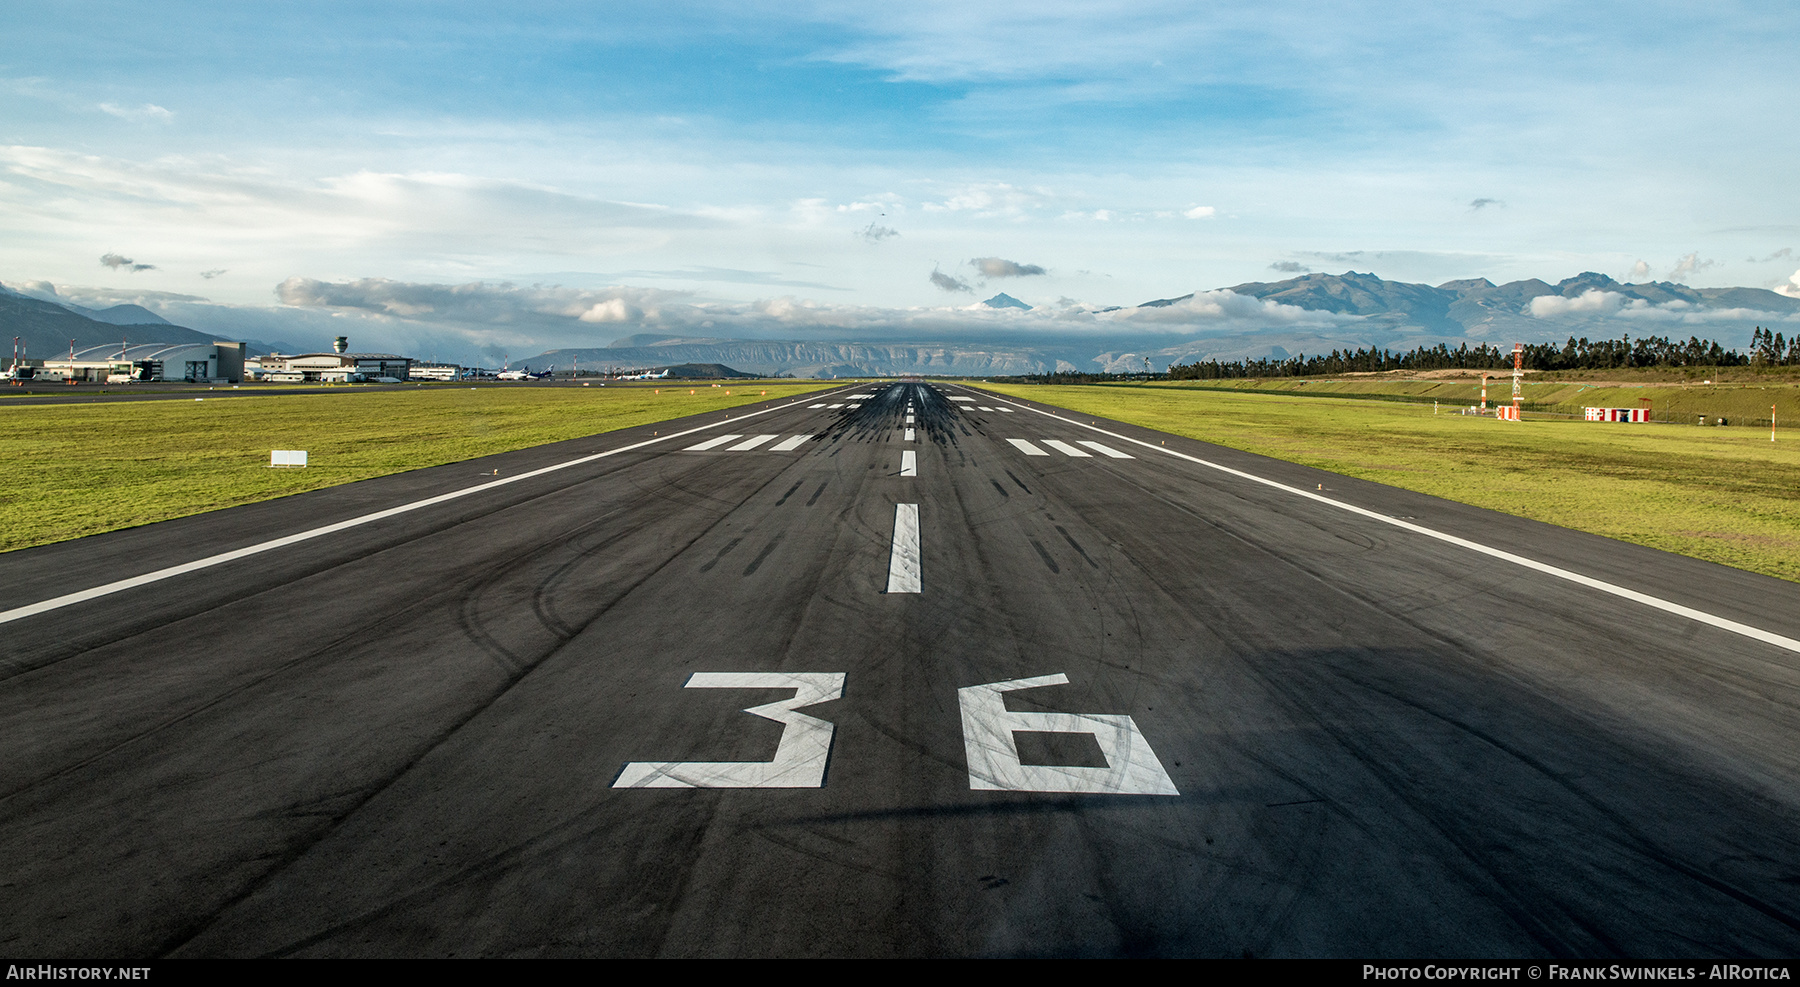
<point>830,157</point>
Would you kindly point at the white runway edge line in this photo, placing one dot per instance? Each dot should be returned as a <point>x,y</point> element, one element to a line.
<point>903,563</point>
<point>69,599</point>
<point>1657,603</point>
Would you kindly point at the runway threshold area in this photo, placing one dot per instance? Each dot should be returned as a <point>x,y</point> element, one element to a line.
<point>900,670</point>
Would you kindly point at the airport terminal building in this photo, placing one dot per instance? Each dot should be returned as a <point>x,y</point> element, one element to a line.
<point>337,366</point>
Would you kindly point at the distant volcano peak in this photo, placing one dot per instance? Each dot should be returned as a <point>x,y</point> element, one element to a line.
<point>1004,300</point>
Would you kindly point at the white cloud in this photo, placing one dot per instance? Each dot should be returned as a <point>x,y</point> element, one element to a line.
<point>1689,266</point>
<point>1792,288</point>
<point>1612,304</point>
<point>148,111</point>
<point>1640,271</point>
<point>1201,212</point>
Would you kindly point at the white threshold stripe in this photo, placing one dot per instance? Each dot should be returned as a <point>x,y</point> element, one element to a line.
<point>1006,410</point>
<point>82,596</point>
<point>1105,450</point>
<point>909,463</point>
<point>710,443</point>
<point>1027,448</point>
<point>1657,603</point>
<point>903,561</point>
<point>752,442</point>
<point>813,406</point>
<point>789,445</point>
<point>1067,449</point>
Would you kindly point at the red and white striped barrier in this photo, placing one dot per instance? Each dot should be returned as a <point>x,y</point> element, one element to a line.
<point>1617,414</point>
<point>1507,413</point>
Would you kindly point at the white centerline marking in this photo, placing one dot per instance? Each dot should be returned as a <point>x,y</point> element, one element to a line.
<point>709,443</point>
<point>984,408</point>
<point>1066,449</point>
<point>1656,603</point>
<point>909,419</point>
<point>970,400</point>
<point>909,435</point>
<point>1105,450</point>
<point>1004,411</point>
<point>82,596</point>
<point>903,560</point>
<point>909,463</point>
<point>812,406</point>
<point>829,406</point>
<point>789,445</point>
<point>1027,448</point>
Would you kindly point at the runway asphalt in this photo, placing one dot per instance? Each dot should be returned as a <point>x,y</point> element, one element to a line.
<point>1052,691</point>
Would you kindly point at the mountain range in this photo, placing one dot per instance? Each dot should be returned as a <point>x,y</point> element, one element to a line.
<point>1311,314</point>
<point>1356,311</point>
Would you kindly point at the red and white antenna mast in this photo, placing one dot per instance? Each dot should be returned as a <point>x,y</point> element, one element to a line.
<point>1518,377</point>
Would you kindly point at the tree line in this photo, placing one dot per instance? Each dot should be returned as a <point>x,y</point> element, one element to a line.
<point>1766,349</point>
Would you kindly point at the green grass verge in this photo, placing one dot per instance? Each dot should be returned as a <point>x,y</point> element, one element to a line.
<point>75,470</point>
<point>1726,495</point>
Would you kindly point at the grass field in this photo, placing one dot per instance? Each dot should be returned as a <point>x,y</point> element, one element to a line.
<point>75,470</point>
<point>1727,495</point>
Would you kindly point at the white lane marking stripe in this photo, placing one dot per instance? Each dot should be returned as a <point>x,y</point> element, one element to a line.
<point>853,405</point>
<point>1004,410</point>
<point>812,406</point>
<point>1027,448</point>
<point>82,596</point>
<point>752,442</point>
<point>1656,603</point>
<point>1066,449</point>
<point>834,406</point>
<point>1105,450</point>
<point>709,443</point>
<point>909,419</point>
<point>909,463</point>
<point>903,560</point>
<point>789,445</point>
<point>970,400</point>
<point>909,435</point>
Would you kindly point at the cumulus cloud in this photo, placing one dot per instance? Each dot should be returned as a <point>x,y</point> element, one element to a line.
<point>1200,212</point>
<point>477,303</point>
<point>1689,266</point>
<point>1792,288</point>
<point>116,262</point>
<point>1612,304</point>
<point>992,200</point>
<point>875,233</point>
<point>1207,308</point>
<point>1480,204</point>
<point>1290,267</point>
<point>999,267</point>
<point>1640,271</point>
<point>949,283</point>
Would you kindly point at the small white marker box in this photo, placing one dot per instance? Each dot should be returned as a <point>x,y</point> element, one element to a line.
<point>287,457</point>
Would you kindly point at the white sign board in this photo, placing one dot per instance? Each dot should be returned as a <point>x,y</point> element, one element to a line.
<point>287,457</point>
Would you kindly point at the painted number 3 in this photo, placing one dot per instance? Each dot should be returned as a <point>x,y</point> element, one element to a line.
<point>988,727</point>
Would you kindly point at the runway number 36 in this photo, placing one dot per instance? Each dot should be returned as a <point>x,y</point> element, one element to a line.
<point>988,741</point>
